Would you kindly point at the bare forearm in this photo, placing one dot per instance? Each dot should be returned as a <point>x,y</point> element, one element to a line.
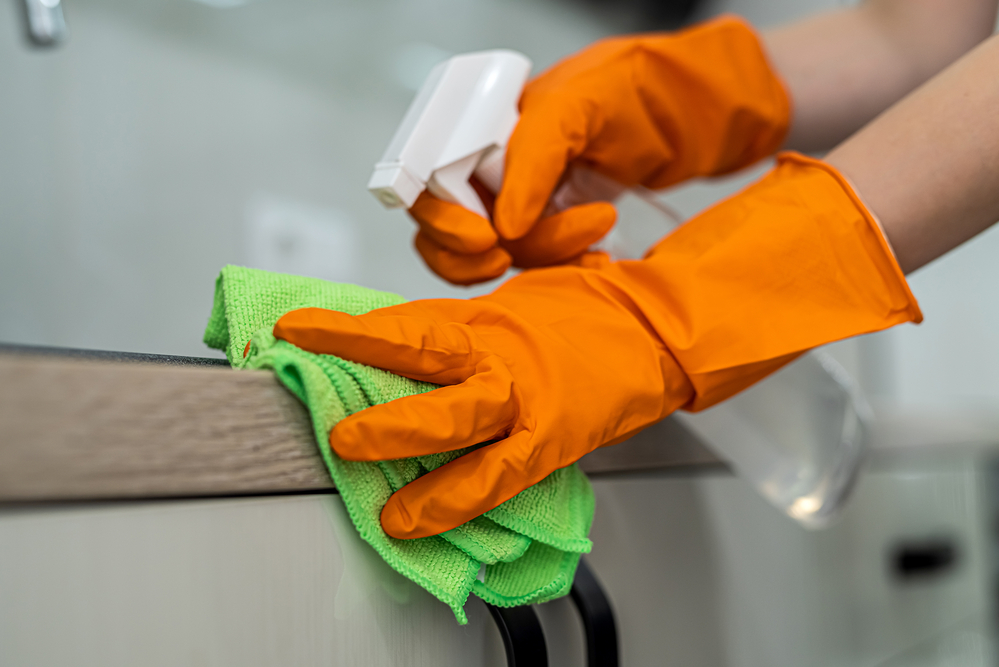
<point>929,166</point>
<point>844,67</point>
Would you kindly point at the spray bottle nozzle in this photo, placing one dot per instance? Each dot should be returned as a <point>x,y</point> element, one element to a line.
<point>457,125</point>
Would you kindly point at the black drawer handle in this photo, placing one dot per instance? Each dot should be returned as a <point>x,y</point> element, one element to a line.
<point>523,638</point>
<point>598,618</point>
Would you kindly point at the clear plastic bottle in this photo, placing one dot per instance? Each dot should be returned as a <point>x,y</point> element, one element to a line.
<point>799,435</point>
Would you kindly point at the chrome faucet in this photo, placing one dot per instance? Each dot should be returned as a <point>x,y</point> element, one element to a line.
<point>46,25</point>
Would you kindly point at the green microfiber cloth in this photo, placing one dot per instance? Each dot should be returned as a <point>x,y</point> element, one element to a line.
<point>529,545</point>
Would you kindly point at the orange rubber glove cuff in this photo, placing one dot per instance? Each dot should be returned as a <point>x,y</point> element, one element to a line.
<point>792,262</point>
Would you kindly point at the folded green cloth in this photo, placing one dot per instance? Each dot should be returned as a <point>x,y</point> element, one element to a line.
<point>529,545</point>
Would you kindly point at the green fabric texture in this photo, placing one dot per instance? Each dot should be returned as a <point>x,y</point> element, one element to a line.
<point>529,545</point>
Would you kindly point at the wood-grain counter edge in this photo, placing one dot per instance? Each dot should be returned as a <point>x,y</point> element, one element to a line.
<point>95,427</point>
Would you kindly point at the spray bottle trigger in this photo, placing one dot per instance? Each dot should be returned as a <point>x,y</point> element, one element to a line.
<point>450,183</point>
<point>490,169</point>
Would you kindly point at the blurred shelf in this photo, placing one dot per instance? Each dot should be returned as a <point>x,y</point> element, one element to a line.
<point>81,425</point>
<point>902,432</point>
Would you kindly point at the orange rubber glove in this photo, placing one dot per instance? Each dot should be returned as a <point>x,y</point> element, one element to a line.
<point>648,110</point>
<point>560,361</point>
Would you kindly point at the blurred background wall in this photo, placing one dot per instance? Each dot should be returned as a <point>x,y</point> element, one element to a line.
<point>167,138</point>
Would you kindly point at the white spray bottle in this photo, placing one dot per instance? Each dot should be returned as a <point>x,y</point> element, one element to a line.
<point>798,436</point>
<point>458,125</point>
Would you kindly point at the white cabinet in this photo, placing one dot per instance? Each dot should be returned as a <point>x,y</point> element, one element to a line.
<point>248,582</point>
<point>700,570</point>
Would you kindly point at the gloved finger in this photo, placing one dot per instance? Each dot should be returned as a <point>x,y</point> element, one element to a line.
<point>594,259</point>
<point>453,227</point>
<point>462,269</point>
<point>560,237</point>
<point>548,135</point>
<point>401,339</point>
<point>462,489</point>
<point>479,409</point>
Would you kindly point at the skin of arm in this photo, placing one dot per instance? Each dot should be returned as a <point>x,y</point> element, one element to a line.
<point>842,68</point>
<point>928,167</point>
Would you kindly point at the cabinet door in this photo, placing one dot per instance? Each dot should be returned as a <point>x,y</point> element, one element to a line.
<point>275,581</point>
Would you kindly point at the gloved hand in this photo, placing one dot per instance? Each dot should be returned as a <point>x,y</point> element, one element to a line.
<point>649,110</point>
<point>560,361</point>
<point>464,248</point>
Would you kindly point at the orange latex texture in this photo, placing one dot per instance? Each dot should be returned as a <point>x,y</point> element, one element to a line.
<point>648,110</point>
<point>560,361</point>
